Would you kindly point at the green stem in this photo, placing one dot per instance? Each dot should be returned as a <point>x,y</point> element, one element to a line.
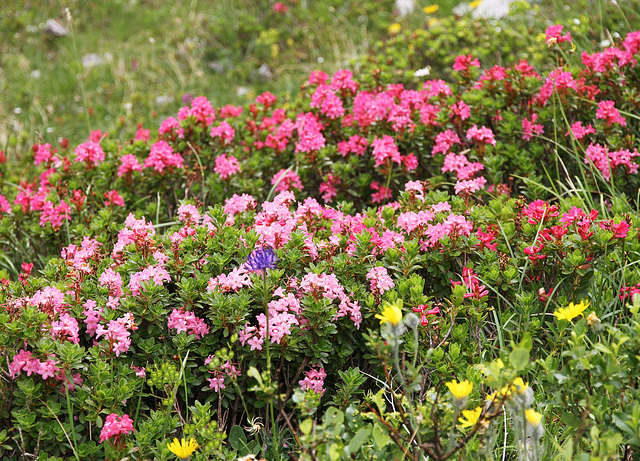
<point>70,411</point>
<point>276,443</point>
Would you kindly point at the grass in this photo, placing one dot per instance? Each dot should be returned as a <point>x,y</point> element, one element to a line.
<point>126,63</point>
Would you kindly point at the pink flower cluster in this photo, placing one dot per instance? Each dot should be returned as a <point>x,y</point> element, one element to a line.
<point>24,361</point>
<point>220,373</point>
<point>379,280</point>
<point>117,333</point>
<point>162,157</point>
<point>472,284</point>
<point>188,322</point>
<point>137,232</point>
<point>226,166</point>
<point>115,426</point>
<point>156,273</point>
<point>232,282</point>
<point>553,35</point>
<point>385,148</point>
<point>90,152</point>
<point>607,161</point>
<point>285,180</point>
<point>80,257</point>
<point>314,380</point>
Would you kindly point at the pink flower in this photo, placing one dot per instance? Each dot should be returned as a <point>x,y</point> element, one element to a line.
<point>266,99</point>
<point>459,164</point>
<point>384,193</point>
<point>171,125</point>
<point>113,198</point>
<point>385,148</point>
<point>5,206</point>
<point>239,204</point>
<point>188,322</point>
<point>142,135</point>
<point>607,112</point>
<point>314,380</point>
<point>97,136</point>
<point>579,132</point>
<point>93,316</point>
<point>224,131</point>
<point>461,109</point>
<point>539,211</point>
<point>128,164</point>
<point>553,35</point>
<point>117,334</point>
<point>317,77</point>
<point>379,280</point>
<point>44,154</point>
<point>188,213</point>
<point>162,157</point>
<point>285,180</point>
<point>530,128</point>
<point>226,166</point>
<point>328,188</point>
<point>90,152</point>
<point>115,426</point>
<point>155,273</point>
<point>280,7</point>
<point>235,280</point>
<point>65,329</point>
<point>343,80</point>
<point>444,142</point>
<point>469,186</point>
<point>481,134</point>
<point>54,214</point>
<point>463,62</point>
<point>436,88</point>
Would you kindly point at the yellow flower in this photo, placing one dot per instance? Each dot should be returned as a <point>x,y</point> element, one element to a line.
<point>430,9</point>
<point>519,386</point>
<point>475,4</point>
<point>181,448</point>
<point>592,319</point>
<point>571,311</point>
<point>470,417</point>
<point>394,29</point>
<point>390,313</point>
<point>533,417</point>
<point>460,390</point>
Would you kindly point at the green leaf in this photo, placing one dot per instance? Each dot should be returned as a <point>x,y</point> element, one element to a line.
<point>519,358</point>
<point>237,439</point>
<point>306,426</point>
<point>358,439</point>
<point>380,437</point>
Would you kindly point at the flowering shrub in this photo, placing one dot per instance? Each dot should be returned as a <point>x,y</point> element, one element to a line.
<point>239,263</point>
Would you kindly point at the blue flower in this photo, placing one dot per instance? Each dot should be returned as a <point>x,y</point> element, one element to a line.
<point>262,258</point>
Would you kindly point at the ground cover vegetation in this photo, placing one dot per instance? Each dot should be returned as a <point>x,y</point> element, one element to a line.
<point>391,263</point>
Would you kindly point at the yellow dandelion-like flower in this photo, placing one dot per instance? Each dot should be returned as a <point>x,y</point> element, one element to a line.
<point>181,448</point>
<point>394,29</point>
<point>571,311</point>
<point>533,417</point>
<point>390,313</point>
<point>470,417</point>
<point>460,390</point>
<point>475,4</point>
<point>430,9</point>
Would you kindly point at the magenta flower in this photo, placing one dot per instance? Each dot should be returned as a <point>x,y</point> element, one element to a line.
<point>115,426</point>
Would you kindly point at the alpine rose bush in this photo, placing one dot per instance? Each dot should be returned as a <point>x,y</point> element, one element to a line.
<point>236,261</point>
